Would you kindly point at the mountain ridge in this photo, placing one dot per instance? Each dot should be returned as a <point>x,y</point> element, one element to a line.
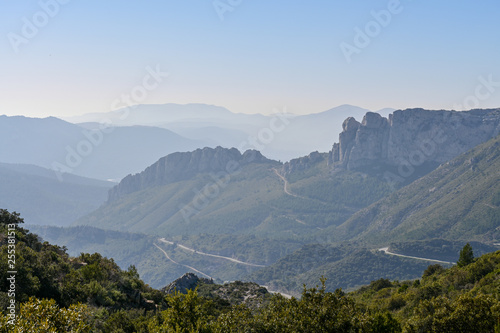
<point>300,135</point>
<point>184,165</point>
<point>309,200</point>
<point>412,137</point>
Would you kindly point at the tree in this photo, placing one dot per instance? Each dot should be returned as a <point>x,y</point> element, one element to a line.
<point>7,218</point>
<point>466,256</point>
<point>433,269</point>
<point>46,316</point>
<point>468,313</point>
<point>186,313</point>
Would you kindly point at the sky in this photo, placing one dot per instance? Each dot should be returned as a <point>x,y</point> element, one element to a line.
<point>70,57</point>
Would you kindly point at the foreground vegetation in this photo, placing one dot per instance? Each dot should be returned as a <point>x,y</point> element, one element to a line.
<point>90,293</point>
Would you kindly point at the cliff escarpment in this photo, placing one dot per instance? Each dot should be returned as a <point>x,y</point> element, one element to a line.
<point>412,137</point>
<point>185,165</point>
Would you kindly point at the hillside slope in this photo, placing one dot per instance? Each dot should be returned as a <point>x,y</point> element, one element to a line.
<point>145,252</point>
<point>91,293</point>
<point>193,193</point>
<point>38,193</point>
<point>459,200</point>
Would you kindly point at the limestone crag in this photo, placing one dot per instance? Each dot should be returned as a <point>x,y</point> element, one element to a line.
<point>302,163</point>
<point>412,136</point>
<point>182,166</point>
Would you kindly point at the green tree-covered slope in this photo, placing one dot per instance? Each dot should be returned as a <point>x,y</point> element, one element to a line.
<point>251,201</point>
<point>145,251</point>
<point>459,200</point>
<point>344,266</point>
<point>89,293</point>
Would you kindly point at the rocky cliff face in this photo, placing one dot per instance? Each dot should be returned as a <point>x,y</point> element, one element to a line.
<point>412,137</point>
<point>182,166</point>
<point>302,163</point>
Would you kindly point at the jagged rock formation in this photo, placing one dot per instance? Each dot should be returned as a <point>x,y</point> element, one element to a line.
<point>412,137</point>
<point>188,281</point>
<point>185,165</point>
<point>302,163</point>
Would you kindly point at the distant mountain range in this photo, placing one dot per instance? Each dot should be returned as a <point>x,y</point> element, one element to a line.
<point>372,159</point>
<point>281,138</point>
<point>381,183</point>
<point>109,146</point>
<point>88,150</point>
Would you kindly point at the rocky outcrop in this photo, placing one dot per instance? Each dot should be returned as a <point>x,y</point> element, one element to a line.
<point>249,294</point>
<point>302,163</point>
<point>412,137</point>
<point>235,293</point>
<point>188,281</point>
<point>182,166</point>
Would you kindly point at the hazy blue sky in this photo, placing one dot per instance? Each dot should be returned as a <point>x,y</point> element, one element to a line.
<point>263,54</point>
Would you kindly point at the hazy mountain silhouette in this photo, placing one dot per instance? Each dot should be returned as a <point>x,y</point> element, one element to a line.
<point>86,150</point>
<point>281,138</point>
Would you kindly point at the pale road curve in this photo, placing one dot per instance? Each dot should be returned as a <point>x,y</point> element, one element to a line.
<point>297,220</point>
<point>186,248</point>
<point>285,188</point>
<point>386,251</point>
<point>210,255</point>
<point>175,262</point>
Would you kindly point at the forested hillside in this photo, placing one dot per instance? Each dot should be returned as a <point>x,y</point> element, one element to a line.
<point>89,293</point>
<point>459,200</point>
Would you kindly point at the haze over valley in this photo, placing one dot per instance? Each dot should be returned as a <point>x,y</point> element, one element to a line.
<point>245,166</point>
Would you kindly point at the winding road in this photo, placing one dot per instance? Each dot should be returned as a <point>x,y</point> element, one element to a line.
<point>209,254</point>
<point>175,262</point>
<point>386,251</point>
<point>286,184</point>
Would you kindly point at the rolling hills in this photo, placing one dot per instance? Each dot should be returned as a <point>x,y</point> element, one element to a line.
<point>44,199</point>
<point>145,252</point>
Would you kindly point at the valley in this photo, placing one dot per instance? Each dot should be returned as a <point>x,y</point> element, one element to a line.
<point>236,166</point>
<point>232,215</point>
<point>186,266</point>
<point>208,254</point>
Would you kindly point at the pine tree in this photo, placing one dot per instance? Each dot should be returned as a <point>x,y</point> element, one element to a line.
<point>466,256</point>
